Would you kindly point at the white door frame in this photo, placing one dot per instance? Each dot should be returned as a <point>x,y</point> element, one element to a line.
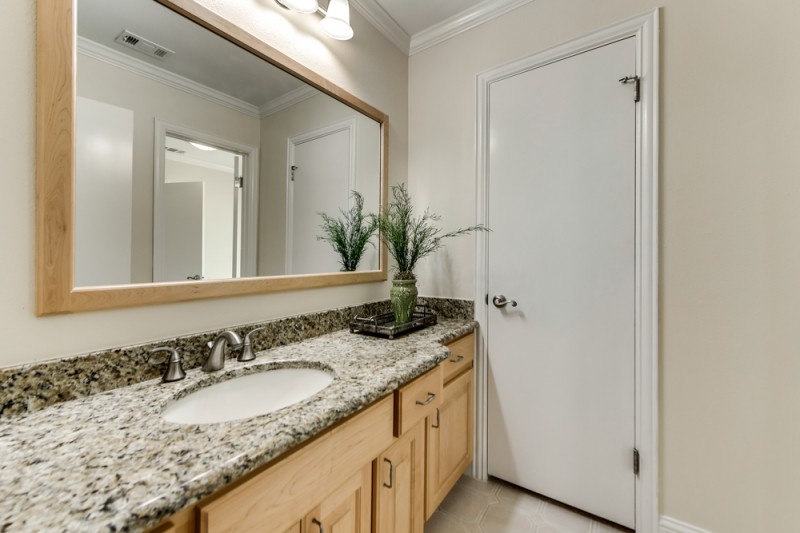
<point>348,125</point>
<point>645,30</point>
<point>250,203</point>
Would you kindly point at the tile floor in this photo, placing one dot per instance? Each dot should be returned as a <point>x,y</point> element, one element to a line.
<point>498,507</point>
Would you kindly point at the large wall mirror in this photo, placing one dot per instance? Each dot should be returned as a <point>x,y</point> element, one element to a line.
<point>179,158</point>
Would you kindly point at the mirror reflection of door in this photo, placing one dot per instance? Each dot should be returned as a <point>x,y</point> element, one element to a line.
<point>200,224</point>
<point>321,175</point>
<point>184,230</point>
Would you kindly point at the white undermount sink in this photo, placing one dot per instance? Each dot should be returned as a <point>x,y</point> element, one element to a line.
<point>248,396</point>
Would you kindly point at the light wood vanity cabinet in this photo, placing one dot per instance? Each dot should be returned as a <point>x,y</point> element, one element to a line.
<point>384,470</point>
<point>449,441</point>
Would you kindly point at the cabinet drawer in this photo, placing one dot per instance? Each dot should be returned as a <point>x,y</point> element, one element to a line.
<point>418,399</point>
<point>462,354</point>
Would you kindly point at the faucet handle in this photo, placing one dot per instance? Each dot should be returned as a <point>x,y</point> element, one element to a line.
<point>174,371</point>
<point>247,353</point>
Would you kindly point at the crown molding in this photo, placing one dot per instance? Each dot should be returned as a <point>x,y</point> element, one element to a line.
<point>383,22</point>
<point>142,68</point>
<point>447,29</point>
<point>136,66</point>
<point>287,100</point>
<point>461,22</point>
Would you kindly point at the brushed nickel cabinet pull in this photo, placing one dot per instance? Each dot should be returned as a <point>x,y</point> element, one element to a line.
<point>458,359</point>
<point>436,425</point>
<point>318,524</point>
<point>431,397</point>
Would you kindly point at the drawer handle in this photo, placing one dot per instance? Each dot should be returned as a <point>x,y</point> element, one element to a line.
<point>431,397</point>
<point>391,474</point>
<point>436,425</point>
<point>458,359</point>
<point>318,524</point>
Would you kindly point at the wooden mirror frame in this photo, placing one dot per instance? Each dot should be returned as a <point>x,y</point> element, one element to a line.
<point>55,173</point>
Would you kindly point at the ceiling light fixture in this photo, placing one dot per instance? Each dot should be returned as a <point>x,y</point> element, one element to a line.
<point>336,23</point>
<point>337,20</point>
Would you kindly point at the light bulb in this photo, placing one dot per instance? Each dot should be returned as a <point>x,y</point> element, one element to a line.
<point>337,22</point>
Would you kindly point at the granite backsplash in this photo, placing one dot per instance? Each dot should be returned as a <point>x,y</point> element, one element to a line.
<point>35,386</point>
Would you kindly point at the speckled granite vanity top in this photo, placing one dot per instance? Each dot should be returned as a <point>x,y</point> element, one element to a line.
<point>110,463</point>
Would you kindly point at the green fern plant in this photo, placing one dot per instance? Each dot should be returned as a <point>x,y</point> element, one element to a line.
<point>411,238</point>
<point>350,234</point>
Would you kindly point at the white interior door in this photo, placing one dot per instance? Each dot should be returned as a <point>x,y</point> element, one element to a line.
<point>320,182</point>
<point>183,233</point>
<point>561,174</point>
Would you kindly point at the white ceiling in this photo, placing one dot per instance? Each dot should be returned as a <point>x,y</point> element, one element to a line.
<point>414,25</point>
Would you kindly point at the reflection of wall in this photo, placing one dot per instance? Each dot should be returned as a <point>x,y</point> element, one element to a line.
<point>276,129</point>
<point>103,183</point>
<point>369,66</point>
<point>150,100</point>
<point>217,214</point>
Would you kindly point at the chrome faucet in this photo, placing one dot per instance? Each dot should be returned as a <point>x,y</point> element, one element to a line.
<point>216,359</point>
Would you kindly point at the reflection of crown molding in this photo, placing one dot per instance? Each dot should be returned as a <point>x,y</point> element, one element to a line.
<point>287,100</point>
<point>378,17</point>
<point>136,66</point>
<point>461,22</point>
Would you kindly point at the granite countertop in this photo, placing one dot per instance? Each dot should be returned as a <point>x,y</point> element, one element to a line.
<point>110,463</point>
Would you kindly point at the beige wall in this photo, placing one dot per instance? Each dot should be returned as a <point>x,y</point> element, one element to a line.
<point>730,232</point>
<point>369,66</point>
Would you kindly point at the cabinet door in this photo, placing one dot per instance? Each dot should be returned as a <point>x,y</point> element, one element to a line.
<point>347,509</point>
<point>282,494</point>
<point>400,484</point>
<point>449,440</point>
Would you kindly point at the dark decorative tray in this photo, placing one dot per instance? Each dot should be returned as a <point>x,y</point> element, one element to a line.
<point>385,326</point>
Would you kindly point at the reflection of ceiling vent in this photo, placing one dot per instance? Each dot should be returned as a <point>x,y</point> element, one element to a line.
<point>175,150</point>
<point>140,44</point>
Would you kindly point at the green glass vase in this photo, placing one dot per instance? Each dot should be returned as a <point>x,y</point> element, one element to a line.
<point>404,298</point>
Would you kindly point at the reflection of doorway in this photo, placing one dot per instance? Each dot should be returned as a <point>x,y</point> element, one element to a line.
<point>203,207</point>
<point>321,175</point>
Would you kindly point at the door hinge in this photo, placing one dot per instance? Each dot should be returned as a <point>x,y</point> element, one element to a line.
<point>636,85</point>
<point>635,462</point>
<point>238,183</point>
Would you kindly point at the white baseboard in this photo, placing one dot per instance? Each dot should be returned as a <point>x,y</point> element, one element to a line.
<point>670,525</point>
